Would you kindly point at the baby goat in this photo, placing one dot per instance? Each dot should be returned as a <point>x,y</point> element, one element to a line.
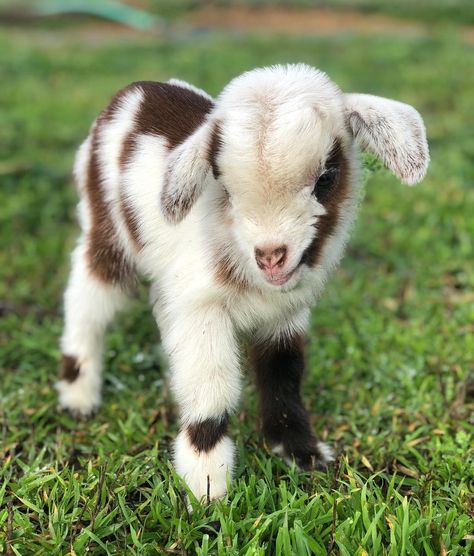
<point>235,210</point>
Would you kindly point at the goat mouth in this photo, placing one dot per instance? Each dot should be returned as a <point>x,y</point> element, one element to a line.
<point>280,279</point>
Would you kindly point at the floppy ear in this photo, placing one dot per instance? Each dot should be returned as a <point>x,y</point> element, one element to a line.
<point>185,175</point>
<point>391,130</point>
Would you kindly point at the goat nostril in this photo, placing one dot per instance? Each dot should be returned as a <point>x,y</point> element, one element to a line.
<point>260,258</point>
<point>279,256</point>
<point>267,259</point>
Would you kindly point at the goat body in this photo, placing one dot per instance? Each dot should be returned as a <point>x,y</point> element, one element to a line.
<point>235,210</point>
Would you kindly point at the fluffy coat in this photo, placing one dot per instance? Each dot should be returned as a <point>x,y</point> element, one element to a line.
<point>236,210</point>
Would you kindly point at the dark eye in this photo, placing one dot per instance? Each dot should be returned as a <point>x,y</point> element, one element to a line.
<point>324,183</point>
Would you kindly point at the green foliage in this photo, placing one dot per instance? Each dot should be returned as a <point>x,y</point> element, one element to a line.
<point>392,353</point>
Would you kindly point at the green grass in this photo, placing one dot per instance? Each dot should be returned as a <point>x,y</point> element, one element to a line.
<point>390,377</point>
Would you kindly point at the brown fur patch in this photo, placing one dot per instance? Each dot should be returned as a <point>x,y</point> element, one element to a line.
<point>332,202</point>
<point>227,273</point>
<point>167,110</point>
<point>170,111</point>
<point>279,369</point>
<point>69,368</point>
<point>131,221</point>
<point>206,434</point>
<point>224,266</point>
<point>107,260</point>
<point>215,145</point>
<point>128,148</point>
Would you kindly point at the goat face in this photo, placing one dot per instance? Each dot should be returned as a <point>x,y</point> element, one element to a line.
<point>280,143</point>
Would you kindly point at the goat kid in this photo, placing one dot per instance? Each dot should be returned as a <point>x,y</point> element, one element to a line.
<point>235,210</point>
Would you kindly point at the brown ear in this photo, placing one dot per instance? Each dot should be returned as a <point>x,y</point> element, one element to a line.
<point>393,131</point>
<point>186,172</point>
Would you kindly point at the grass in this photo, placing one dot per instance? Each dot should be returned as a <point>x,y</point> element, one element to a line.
<point>390,376</point>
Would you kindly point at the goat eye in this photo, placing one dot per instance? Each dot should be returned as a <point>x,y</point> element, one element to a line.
<point>324,182</point>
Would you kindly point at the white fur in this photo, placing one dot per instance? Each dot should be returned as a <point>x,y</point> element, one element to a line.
<point>326,453</point>
<point>278,125</point>
<point>187,167</point>
<point>392,130</point>
<point>89,305</point>
<point>83,396</point>
<point>186,85</point>
<point>210,349</point>
<point>204,472</point>
<point>110,141</point>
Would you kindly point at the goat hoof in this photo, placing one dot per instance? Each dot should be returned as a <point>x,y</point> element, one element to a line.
<point>78,398</point>
<point>317,456</point>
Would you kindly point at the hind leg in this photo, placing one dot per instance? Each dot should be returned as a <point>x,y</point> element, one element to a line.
<point>90,305</point>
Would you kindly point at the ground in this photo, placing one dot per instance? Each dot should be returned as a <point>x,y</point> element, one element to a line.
<point>391,354</point>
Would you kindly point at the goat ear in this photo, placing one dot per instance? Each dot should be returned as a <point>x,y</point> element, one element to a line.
<point>186,172</point>
<point>391,130</point>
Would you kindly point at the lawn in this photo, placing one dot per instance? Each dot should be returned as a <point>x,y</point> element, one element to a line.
<point>391,359</point>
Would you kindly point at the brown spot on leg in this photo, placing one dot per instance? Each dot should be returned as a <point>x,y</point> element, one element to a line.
<point>279,368</point>
<point>204,435</point>
<point>69,368</point>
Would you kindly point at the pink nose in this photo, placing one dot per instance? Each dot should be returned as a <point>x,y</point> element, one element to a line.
<point>270,258</point>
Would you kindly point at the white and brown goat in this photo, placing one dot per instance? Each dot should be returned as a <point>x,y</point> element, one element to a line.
<point>235,210</point>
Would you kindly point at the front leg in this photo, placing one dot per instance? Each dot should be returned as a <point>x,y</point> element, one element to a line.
<point>279,365</point>
<point>205,378</point>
